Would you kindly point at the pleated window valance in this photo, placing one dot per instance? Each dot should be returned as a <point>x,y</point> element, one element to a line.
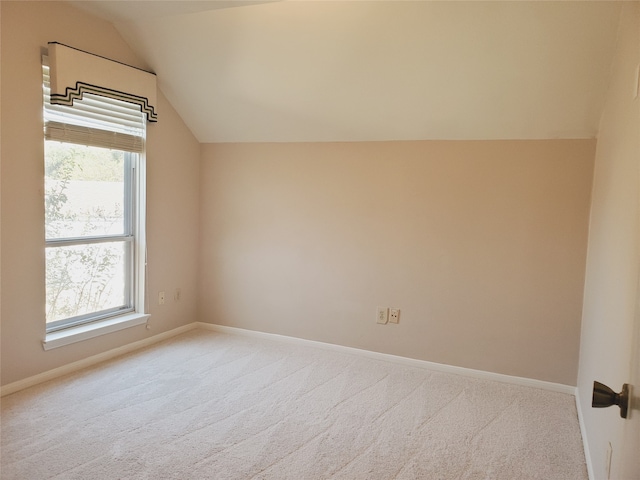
<point>74,73</point>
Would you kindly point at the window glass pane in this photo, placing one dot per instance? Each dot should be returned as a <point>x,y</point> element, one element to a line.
<point>84,191</point>
<point>87,278</point>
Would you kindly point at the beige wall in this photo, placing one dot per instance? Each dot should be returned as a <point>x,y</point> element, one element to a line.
<point>480,244</point>
<point>173,169</point>
<point>614,242</point>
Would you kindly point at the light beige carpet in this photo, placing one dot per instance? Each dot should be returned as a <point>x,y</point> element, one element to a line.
<point>206,405</point>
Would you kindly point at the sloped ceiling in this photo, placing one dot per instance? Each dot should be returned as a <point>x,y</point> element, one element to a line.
<point>302,71</point>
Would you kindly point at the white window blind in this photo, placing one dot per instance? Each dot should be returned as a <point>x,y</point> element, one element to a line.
<point>94,120</point>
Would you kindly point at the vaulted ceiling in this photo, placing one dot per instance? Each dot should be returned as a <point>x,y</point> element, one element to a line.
<point>375,70</point>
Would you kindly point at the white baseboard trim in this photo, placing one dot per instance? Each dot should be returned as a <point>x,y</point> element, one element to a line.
<point>585,441</point>
<point>468,372</point>
<point>89,361</point>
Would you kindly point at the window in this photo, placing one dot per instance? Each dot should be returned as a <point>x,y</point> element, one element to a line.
<point>94,209</point>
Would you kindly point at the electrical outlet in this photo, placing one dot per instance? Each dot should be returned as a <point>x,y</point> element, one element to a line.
<point>394,315</point>
<point>161,298</point>
<point>382,315</point>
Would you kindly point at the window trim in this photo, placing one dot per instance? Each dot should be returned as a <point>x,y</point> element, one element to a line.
<point>94,329</point>
<point>137,316</point>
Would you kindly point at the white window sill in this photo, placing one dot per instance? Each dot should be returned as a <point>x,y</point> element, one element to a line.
<point>91,330</point>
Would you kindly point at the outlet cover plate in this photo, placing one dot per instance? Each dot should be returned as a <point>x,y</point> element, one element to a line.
<point>382,315</point>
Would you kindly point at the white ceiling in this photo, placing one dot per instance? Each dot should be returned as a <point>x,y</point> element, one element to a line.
<point>306,71</point>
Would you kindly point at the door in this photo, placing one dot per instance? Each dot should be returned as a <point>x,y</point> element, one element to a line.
<point>630,459</point>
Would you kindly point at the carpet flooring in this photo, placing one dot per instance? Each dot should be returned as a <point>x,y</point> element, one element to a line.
<point>206,405</point>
